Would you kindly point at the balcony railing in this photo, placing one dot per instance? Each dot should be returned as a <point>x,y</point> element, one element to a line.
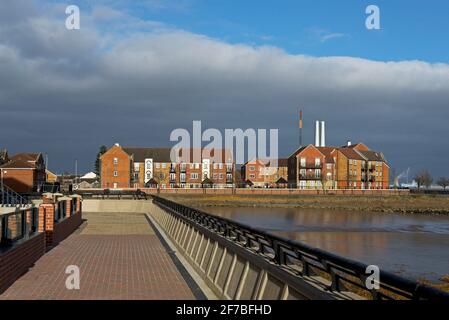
<point>10,198</point>
<point>309,177</point>
<point>311,166</point>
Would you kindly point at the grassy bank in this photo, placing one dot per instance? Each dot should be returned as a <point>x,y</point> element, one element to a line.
<point>420,204</point>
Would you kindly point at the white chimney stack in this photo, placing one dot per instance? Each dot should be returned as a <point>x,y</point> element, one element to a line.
<point>323,134</point>
<point>317,134</point>
<point>349,143</point>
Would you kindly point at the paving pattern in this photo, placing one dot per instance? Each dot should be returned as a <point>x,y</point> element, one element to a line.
<point>119,257</point>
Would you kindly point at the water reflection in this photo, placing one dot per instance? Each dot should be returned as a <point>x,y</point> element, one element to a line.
<point>412,245</point>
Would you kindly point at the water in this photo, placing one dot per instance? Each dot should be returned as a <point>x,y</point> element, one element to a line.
<point>415,246</point>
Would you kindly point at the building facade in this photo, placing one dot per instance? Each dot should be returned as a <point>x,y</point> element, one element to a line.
<point>264,173</point>
<point>347,167</point>
<point>24,172</point>
<point>129,167</point>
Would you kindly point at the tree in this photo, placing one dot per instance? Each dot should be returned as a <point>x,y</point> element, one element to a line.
<point>423,179</point>
<point>102,151</point>
<point>443,182</point>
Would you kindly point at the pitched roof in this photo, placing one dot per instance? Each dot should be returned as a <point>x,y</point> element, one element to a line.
<point>25,156</point>
<point>350,153</point>
<point>281,180</point>
<point>183,154</point>
<point>18,164</point>
<point>327,151</point>
<point>372,155</point>
<point>140,154</point>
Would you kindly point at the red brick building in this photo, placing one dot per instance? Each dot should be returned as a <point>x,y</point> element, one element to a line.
<point>347,167</point>
<point>24,172</point>
<point>131,167</point>
<point>265,173</point>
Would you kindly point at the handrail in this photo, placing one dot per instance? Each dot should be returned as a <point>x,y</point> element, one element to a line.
<point>341,274</point>
<point>11,198</point>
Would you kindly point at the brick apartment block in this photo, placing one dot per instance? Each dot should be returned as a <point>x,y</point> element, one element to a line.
<point>265,173</point>
<point>126,167</point>
<point>23,172</point>
<point>347,167</point>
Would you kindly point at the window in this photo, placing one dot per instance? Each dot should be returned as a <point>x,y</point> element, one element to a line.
<point>252,176</point>
<point>194,176</point>
<point>115,174</point>
<point>317,173</point>
<point>192,166</point>
<point>197,165</point>
<point>215,176</point>
<point>329,166</point>
<point>220,176</point>
<point>115,160</point>
<point>303,162</point>
<point>317,162</point>
<point>164,165</point>
<point>220,166</point>
<point>182,177</point>
<point>137,167</point>
<point>215,166</point>
<point>161,175</point>
<point>252,168</point>
<point>158,165</point>
<point>350,161</point>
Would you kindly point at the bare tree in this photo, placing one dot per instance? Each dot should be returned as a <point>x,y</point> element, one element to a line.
<point>423,179</point>
<point>443,182</point>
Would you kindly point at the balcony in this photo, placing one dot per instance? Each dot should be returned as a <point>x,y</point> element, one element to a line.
<point>311,166</point>
<point>310,177</point>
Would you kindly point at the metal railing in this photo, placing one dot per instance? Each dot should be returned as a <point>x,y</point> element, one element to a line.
<point>18,225</point>
<point>10,198</point>
<point>335,273</point>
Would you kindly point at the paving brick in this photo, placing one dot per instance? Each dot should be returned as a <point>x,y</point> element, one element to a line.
<point>119,257</point>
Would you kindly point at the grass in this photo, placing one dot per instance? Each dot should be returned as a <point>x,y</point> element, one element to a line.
<point>424,204</point>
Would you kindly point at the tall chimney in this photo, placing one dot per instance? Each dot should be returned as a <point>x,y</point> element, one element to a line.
<point>323,134</point>
<point>317,134</point>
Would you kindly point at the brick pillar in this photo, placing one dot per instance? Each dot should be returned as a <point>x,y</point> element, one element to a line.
<point>47,221</point>
<point>68,210</point>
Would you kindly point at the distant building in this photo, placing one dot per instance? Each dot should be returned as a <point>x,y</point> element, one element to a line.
<point>51,177</point>
<point>347,167</point>
<point>128,167</point>
<point>24,172</point>
<point>265,173</point>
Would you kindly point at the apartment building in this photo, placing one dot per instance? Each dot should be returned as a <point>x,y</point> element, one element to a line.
<point>346,167</point>
<point>130,167</point>
<point>24,172</point>
<point>265,173</point>
<point>312,167</point>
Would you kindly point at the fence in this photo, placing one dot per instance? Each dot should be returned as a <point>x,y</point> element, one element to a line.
<point>226,253</point>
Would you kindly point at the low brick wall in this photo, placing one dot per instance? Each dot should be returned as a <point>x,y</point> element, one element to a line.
<point>16,261</point>
<point>284,192</point>
<point>66,227</point>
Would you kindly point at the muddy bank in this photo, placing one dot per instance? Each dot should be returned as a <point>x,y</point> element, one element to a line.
<point>413,204</point>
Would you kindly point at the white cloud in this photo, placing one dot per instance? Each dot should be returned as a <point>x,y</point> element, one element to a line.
<point>166,78</point>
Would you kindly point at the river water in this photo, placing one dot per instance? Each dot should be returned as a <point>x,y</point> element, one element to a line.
<point>415,246</point>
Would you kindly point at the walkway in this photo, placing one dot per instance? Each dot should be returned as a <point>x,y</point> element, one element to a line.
<point>119,257</point>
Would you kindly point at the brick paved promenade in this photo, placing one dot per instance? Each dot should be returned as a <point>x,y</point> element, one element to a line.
<point>119,256</point>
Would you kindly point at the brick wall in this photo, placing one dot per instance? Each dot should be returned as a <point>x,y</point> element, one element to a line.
<point>16,261</point>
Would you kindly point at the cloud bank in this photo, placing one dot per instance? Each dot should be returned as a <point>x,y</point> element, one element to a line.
<point>66,92</point>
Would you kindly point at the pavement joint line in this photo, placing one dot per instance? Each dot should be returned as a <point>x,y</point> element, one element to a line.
<point>199,288</point>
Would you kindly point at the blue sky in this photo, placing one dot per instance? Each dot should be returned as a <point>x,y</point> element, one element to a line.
<point>411,30</point>
<point>162,64</point>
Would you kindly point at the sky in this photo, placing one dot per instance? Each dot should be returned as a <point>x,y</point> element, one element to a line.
<point>136,70</point>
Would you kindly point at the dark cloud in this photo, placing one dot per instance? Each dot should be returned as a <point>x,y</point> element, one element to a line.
<point>66,92</point>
